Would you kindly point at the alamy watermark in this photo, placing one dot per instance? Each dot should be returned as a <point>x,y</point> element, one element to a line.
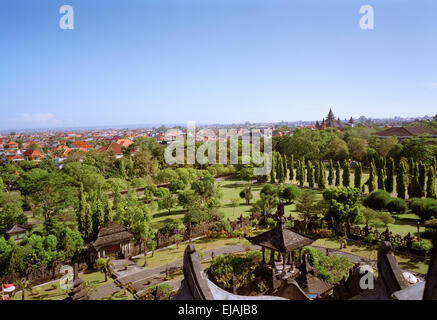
<point>367,20</point>
<point>368,279</point>
<point>66,22</point>
<point>182,149</point>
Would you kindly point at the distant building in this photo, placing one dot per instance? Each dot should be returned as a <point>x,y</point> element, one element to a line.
<point>406,132</point>
<point>81,145</point>
<point>331,122</point>
<point>34,155</point>
<point>113,147</point>
<point>113,240</point>
<point>124,142</point>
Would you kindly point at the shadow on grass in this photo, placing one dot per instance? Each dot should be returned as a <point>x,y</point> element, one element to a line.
<point>205,240</point>
<point>166,214</point>
<point>411,263</point>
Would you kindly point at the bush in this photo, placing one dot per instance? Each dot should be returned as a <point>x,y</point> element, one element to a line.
<point>329,268</point>
<point>222,225</point>
<point>369,238</point>
<point>425,208</point>
<point>377,200</point>
<point>397,205</point>
<point>323,233</point>
<point>269,189</point>
<point>290,193</point>
<point>175,185</point>
<point>232,270</point>
<point>289,224</point>
<point>344,204</point>
<point>271,223</point>
<point>166,289</point>
<point>423,246</point>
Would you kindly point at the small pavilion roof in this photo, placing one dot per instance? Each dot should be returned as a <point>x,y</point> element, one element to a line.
<point>16,229</point>
<point>113,233</point>
<point>281,239</point>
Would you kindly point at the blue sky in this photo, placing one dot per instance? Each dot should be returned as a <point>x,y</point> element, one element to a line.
<point>214,61</point>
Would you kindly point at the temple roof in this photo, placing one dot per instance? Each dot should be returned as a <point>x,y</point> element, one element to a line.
<point>281,239</point>
<point>113,233</point>
<point>309,282</point>
<point>16,229</point>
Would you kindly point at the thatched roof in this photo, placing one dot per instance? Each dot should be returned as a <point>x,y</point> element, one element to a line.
<point>16,229</point>
<point>281,239</point>
<point>113,233</point>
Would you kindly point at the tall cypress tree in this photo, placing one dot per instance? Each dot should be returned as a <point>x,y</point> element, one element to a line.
<point>411,182</point>
<point>411,168</point>
<point>358,175</point>
<point>98,216</point>
<point>284,167</point>
<point>272,172</point>
<point>279,169</point>
<point>421,179</point>
<point>372,176</point>
<point>400,180</point>
<point>130,167</point>
<point>291,167</point>
<point>80,214</point>
<point>298,170</point>
<point>337,174</point>
<point>381,178</point>
<point>322,175</point>
<point>302,171</point>
<point>122,167</point>
<point>316,172</point>
<point>346,173</point>
<point>331,173</point>
<point>88,221</point>
<point>118,205</point>
<point>430,183</point>
<point>414,187</point>
<point>434,164</point>
<point>389,183</point>
<point>310,174</point>
<point>108,212</point>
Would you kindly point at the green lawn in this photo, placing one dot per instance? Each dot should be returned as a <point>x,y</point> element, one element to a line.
<point>48,292</point>
<point>174,253</point>
<point>371,253</point>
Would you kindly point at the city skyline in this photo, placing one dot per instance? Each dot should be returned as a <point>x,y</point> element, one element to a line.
<point>220,62</point>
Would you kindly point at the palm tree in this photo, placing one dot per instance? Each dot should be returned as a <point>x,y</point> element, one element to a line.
<point>105,266</point>
<point>22,286</point>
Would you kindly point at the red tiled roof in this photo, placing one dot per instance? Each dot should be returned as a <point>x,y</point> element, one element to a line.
<point>15,157</point>
<point>81,144</point>
<point>32,153</point>
<point>124,142</point>
<point>113,146</point>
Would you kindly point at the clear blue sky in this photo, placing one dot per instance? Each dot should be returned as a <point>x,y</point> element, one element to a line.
<point>227,61</point>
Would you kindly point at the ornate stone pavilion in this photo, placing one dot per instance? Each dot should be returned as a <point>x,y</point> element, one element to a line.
<point>283,242</point>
